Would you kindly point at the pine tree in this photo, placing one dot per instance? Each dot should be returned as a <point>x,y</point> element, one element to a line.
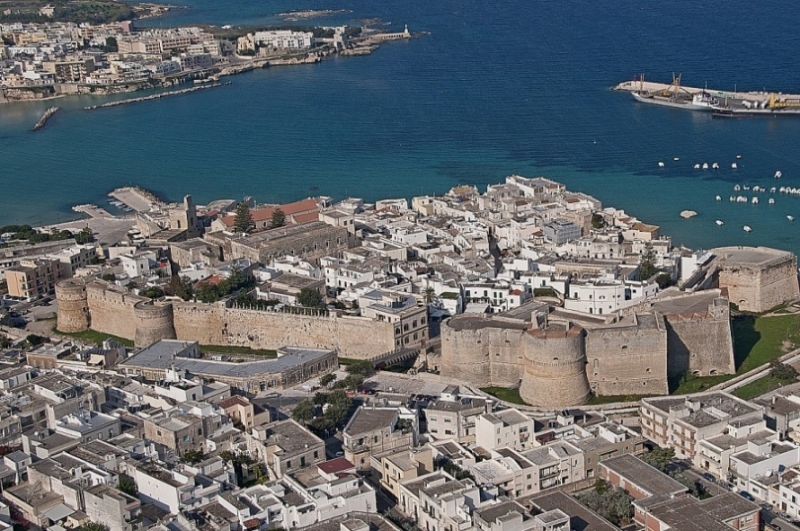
<point>244,219</point>
<point>278,218</point>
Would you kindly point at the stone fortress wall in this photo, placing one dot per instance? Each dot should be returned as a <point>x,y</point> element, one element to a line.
<point>105,308</point>
<point>757,279</point>
<point>636,355</point>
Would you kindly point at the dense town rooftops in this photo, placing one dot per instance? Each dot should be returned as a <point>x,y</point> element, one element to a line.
<point>292,438</point>
<point>689,514</point>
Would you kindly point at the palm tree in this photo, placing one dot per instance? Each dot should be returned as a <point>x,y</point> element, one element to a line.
<point>430,294</point>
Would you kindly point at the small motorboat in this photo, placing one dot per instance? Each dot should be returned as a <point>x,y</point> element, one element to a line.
<point>778,174</point>
<point>676,159</point>
<point>747,228</point>
<point>697,166</point>
<point>719,198</point>
<point>705,165</point>
<point>660,164</point>
<point>754,201</point>
<point>720,222</point>
<point>737,188</point>
<point>771,201</point>
<point>738,156</point>
<point>790,218</point>
<point>734,166</point>
<point>715,166</point>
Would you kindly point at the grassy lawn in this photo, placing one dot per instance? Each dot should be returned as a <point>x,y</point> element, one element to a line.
<point>756,341</point>
<point>91,336</point>
<point>507,395</point>
<point>758,388</point>
<point>239,350</point>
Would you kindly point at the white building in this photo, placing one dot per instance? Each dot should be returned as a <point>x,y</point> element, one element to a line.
<point>504,429</point>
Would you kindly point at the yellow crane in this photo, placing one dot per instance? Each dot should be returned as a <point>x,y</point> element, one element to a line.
<point>775,104</point>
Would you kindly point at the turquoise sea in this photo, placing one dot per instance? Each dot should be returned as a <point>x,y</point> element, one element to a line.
<point>520,86</point>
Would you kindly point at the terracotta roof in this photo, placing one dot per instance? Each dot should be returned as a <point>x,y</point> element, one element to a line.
<point>334,466</point>
<point>306,206</point>
<point>235,400</point>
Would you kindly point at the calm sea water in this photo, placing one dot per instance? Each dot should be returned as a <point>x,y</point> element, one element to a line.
<point>496,88</point>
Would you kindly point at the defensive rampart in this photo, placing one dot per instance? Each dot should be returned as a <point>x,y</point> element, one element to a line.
<point>111,311</point>
<point>757,278</point>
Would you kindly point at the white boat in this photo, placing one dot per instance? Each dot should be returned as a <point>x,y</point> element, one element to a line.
<point>676,159</point>
<point>738,156</point>
<point>790,218</point>
<point>747,228</point>
<point>754,200</point>
<point>745,187</point>
<point>778,174</point>
<point>719,198</point>
<point>771,201</point>
<point>697,166</point>
<point>705,165</point>
<point>734,166</point>
<point>719,222</point>
<point>732,199</point>
<point>737,188</point>
<point>660,164</point>
<point>772,190</point>
<point>715,166</point>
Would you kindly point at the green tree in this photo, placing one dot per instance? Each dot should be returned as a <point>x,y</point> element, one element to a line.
<point>430,295</point>
<point>612,504</point>
<point>93,526</point>
<point>303,412</point>
<point>598,221</point>
<point>193,456</point>
<point>35,340</point>
<point>309,298</point>
<point>278,219</point>
<point>127,485</point>
<point>5,342</point>
<point>111,45</point>
<point>108,277</point>
<point>327,379</point>
<point>364,368</point>
<point>84,236</point>
<point>783,372</point>
<point>243,222</point>
<point>153,292</point>
<point>647,265</point>
<point>353,381</point>
<point>659,458</point>
<point>180,287</point>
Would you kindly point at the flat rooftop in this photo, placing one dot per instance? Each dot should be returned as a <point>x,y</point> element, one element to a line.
<point>749,256</point>
<point>644,476</point>
<point>367,419</point>
<point>163,355</point>
<point>479,322</point>
<point>704,410</point>
<point>581,518</point>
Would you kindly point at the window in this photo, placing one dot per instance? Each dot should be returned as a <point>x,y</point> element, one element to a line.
<point>288,464</point>
<point>316,454</point>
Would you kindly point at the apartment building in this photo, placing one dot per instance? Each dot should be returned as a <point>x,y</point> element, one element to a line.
<point>680,423</point>
<point>373,430</point>
<point>35,277</point>
<point>454,417</point>
<point>504,429</point>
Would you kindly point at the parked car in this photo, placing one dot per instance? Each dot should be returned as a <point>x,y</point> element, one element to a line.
<point>747,496</point>
<point>709,477</point>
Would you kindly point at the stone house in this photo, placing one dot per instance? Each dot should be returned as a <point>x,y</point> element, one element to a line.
<point>177,431</point>
<point>286,446</point>
<point>454,417</point>
<point>373,430</point>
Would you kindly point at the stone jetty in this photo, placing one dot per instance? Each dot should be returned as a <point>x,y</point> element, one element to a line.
<point>155,96</point>
<point>45,116</point>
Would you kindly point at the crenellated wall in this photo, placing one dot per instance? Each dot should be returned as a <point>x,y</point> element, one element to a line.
<point>112,311</point>
<point>757,279</point>
<point>629,359</point>
<point>73,306</point>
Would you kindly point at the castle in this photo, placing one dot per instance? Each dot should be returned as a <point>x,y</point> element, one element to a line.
<point>112,310</point>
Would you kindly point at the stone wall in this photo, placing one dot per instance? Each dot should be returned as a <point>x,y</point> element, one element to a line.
<point>353,337</point>
<point>112,311</point>
<point>154,322</point>
<point>758,286</point>
<point>701,346</point>
<point>73,306</point>
<point>628,360</point>
<point>554,367</point>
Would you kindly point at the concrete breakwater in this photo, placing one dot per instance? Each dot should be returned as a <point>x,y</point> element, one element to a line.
<point>45,116</point>
<point>651,87</point>
<point>154,96</point>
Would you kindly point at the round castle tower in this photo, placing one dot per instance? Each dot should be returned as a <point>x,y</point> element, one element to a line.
<point>554,366</point>
<point>73,306</point>
<point>154,322</point>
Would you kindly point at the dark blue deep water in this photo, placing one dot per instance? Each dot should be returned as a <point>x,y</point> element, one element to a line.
<point>496,88</point>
